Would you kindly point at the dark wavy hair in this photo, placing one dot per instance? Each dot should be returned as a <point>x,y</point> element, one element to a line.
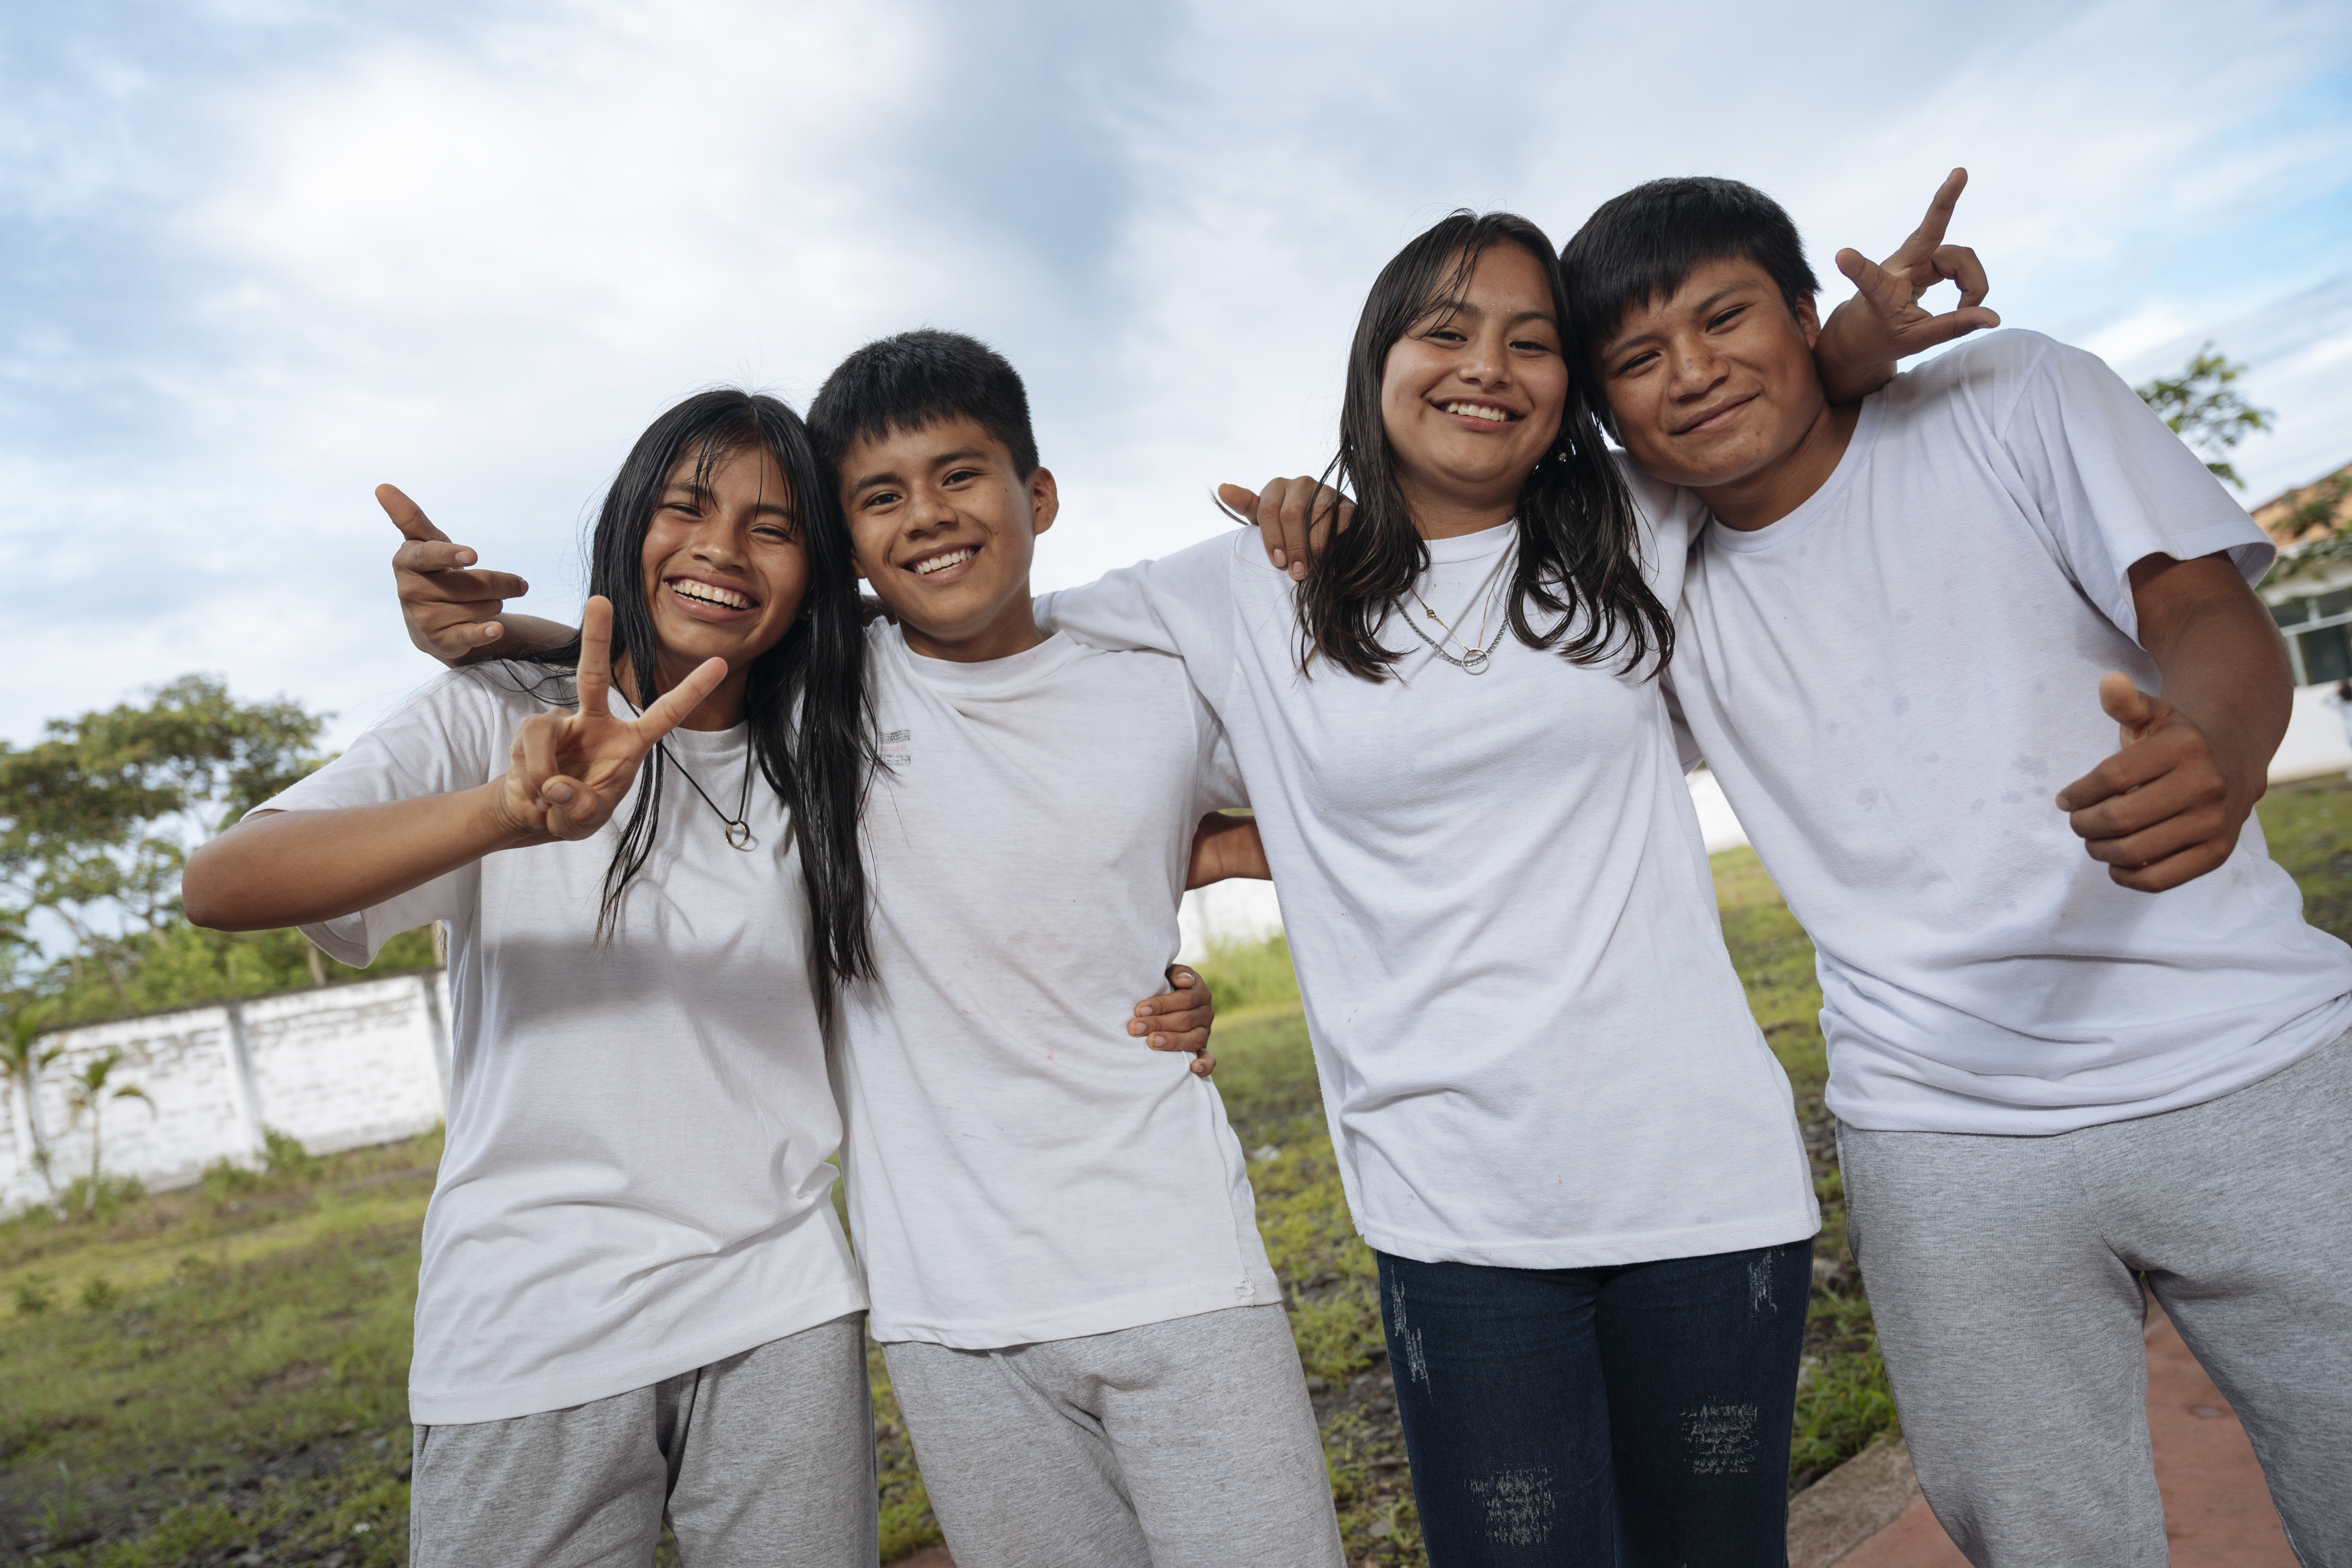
<point>1577,585</point>
<point>1640,246</point>
<point>820,766</point>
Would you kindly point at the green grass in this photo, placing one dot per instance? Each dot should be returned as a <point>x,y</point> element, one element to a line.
<point>2309,829</point>
<point>217,1375</point>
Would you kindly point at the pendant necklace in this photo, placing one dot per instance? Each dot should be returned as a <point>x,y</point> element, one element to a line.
<point>739,826</point>
<point>1475,658</point>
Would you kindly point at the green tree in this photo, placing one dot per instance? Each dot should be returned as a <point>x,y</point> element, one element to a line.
<point>96,820</point>
<point>96,823</point>
<point>2203,407</point>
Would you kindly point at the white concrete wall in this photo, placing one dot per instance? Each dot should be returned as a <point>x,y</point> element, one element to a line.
<point>2316,743</point>
<point>337,1067</point>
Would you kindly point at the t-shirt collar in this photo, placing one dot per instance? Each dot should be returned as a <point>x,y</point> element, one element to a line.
<point>1476,546</point>
<point>1819,503</point>
<point>987,675</point>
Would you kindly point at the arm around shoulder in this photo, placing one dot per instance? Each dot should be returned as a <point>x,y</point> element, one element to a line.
<point>1179,604</point>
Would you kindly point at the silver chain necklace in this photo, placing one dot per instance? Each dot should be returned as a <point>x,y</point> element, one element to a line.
<point>1474,659</point>
<point>739,826</point>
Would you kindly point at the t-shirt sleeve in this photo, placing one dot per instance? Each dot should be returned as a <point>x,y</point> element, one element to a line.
<point>1687,751</point>
<point>1180,604</point>
<point>1222,788</point>
<point>2112,483</point>
<point>452,735</point>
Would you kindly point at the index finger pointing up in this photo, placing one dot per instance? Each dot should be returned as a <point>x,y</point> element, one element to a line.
<point>595,672</point>
<point>406,514</point>
<point>1930,232</point>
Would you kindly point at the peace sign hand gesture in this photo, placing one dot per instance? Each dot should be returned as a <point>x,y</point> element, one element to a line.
<point>1885,322</point>
<point>569,771</point>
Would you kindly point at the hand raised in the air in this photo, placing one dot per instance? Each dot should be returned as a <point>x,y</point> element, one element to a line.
<point>570,770</point>
<point>1891,288</point>
<point>1294,518</point>
<point>1884,323</point>
<point>451,610</point>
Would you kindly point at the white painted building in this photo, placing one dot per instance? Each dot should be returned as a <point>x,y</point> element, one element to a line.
<point>337,1067</point>
<point>2310,595</point>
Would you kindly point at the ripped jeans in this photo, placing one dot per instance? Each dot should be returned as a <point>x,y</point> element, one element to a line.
<point>1614,1417</point>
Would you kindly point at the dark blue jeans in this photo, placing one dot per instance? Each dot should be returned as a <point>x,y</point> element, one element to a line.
<point>1612,1417</point>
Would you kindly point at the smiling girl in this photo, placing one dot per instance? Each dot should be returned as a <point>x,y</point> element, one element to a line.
<point>1555,1120</point>
<point>634,1296</point>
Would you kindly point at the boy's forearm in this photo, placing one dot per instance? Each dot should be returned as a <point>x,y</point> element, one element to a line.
<point>1848,359</point>
<point>298,867</point>
<point>1225,847</point>
<point>2225,668</point>
<point>525,636</point>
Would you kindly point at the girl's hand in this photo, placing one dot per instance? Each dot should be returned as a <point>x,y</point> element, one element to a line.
<point>569,771</point>
<point>1179,1018</point>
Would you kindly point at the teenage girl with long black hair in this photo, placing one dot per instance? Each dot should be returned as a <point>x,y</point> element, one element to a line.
<point>634,1296</point>
<point>1556,1123</point>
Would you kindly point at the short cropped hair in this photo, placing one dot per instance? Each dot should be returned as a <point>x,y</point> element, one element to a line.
<point>1641,246</point>
<point>916,380</point>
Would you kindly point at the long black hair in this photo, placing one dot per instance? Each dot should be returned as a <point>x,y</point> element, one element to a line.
<point>820,772</point>
<point>1580,561</point>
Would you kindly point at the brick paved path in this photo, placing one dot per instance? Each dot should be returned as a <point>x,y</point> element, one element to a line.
<point>2217,1513</point>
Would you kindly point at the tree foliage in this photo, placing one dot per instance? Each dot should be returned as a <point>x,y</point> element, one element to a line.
<point>97,821</point>
<point>2203,407</point>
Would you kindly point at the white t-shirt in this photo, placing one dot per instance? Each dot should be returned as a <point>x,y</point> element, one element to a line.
<point>1894,681</point>
<point>1533,1048</point>
<point>635,1183</point>
<point>1020,1168</point>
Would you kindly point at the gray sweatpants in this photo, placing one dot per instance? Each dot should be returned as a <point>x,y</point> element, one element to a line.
<point>765,1459</point>
<point>2001,1273</point>
<point>1184,1444</point>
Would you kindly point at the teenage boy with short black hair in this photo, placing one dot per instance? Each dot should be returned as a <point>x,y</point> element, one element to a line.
<point>1058,1233</point>
<point>2048,1082</point>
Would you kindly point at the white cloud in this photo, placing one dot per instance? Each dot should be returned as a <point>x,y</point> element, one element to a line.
<point>271,254</point>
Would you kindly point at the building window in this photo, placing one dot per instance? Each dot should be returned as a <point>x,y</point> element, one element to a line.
<point>2319,635</point>
<point>2325,656</point>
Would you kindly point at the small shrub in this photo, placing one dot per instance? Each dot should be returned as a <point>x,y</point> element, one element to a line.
<point>33,1295</point>
<point>283,1155</point>
<point>1846,1406</point>
<point>225,1180</point>
<point>98,1294</point>
<point>115,1194</point>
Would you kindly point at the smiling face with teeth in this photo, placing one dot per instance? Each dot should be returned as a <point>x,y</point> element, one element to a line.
<point>724,572</point>
<point>1472,395</point>
<point>1715,388</point>
<point>944,524</point>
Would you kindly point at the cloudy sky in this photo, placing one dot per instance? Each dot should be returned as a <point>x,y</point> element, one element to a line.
<point>257,256</point>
